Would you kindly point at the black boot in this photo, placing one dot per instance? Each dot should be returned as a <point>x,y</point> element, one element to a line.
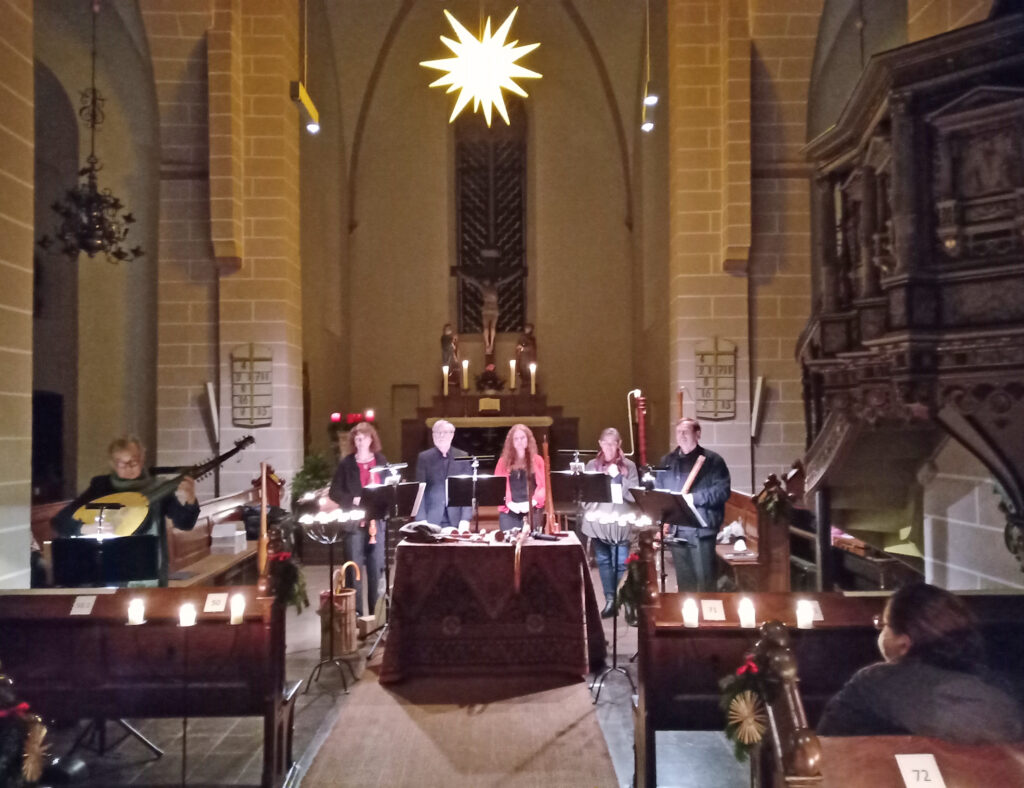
<point>609,609</point>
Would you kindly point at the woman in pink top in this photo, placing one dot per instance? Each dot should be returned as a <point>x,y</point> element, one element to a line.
<point>525,491</point>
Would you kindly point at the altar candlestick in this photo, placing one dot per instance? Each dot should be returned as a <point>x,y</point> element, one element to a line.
<point>512,374</point>
<point>444,380</point>
<point>690,615</point>
<point>533,378</point>
<point>465,374</point>
<point>237,608</point>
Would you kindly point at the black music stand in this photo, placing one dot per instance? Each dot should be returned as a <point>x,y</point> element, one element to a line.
<point>389,502</point>
<point>580,488</point>
<point>476,491</point>
<point>83,561</point>
<point>665,506</point>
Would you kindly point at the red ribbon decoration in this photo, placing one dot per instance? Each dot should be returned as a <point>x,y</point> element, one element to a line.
<point>19,710</point>
<point>748,665</point>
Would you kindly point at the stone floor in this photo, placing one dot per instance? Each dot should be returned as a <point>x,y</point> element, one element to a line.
<point>222,752</point>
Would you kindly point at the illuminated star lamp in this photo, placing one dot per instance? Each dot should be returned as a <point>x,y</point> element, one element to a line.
<point>482,67</point>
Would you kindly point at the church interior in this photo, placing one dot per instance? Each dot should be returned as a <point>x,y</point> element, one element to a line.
<point>242,226</point>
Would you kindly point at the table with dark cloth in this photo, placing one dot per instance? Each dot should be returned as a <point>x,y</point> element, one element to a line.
<point>455,611</point>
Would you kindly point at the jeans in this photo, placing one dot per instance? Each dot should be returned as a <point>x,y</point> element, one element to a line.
<point>370,560</point>
<point>695,559</point>
<point>611,564</point>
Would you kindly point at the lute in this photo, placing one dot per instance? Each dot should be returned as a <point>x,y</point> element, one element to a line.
<point>124,513</point>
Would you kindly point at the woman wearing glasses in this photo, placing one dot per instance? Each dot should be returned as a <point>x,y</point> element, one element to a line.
<point>932,682</point>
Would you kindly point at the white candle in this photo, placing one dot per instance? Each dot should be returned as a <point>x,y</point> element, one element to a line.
<point>533,378</point>
<point>746,611</point>
<point>465,374</point>
<point>690,615</point>
<point>187,615</point>
<point>444,380</point>
<point>136,612</point>
<point>512,374</point>
<point>804,614</point>
<point>237,608</point>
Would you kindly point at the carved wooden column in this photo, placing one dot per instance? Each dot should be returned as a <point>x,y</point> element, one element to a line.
<point>825,243</point>
<point>868,284</point>
<point>904,184</point>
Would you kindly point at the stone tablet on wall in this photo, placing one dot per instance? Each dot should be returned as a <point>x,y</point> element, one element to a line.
<point>252,385</point>
<point>716,379</point>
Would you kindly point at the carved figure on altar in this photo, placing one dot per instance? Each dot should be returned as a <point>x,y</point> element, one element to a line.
<point>449,348</point>
<point>526,352</point>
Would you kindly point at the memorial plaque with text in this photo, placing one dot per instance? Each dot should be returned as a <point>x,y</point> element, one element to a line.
<point>252,386</point>
<point>716,379</point>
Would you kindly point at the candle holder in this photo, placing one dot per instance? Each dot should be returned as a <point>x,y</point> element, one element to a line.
<point>691,616</point>
<point>804,614</point>
<point>748,618</point>
<point>136,612</point>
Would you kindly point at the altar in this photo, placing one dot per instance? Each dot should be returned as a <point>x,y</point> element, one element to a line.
<point>456,611</point>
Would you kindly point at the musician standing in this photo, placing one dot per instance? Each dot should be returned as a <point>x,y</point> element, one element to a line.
<point>129,474</point>
<point>525,489</point>
<point>434,466</point>
<point>694,558</point>
<point>363,545</point>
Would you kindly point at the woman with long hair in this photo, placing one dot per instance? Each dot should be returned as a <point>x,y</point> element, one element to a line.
<point>603,523</point>
<point>933,680</point>
<point>525,491</point>
<point>363,545</point>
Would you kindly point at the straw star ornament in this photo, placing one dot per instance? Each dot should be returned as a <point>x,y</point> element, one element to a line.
<point>482,67</point>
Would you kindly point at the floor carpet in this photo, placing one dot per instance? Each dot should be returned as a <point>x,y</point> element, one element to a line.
<point>515,733</point>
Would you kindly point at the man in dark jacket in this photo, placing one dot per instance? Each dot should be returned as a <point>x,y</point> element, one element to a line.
<point>434,466</point>
<point>693,550</point>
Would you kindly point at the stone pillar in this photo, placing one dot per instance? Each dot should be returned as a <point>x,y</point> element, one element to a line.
<point>17,155</point>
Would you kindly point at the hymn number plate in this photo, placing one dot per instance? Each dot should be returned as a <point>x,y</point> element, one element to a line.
<point>716,379</point>
<point>252,386</point>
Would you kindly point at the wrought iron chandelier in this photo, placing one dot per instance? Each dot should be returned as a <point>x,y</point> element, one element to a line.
<point>92,219</point>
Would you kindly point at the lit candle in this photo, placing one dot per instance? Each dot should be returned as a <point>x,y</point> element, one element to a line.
<point>237,608</point>
<point>746,611</point>
<point>804,614</point>
<point>187,615</point>
<point>465,374</point>
<point>690,614</point>
<point>512,374</point>
<point>444,380</point>
<point>136,612</point>
<point>533,378</point>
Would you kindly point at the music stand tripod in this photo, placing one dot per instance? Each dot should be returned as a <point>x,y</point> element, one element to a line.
<point>664,506</point>
<point>468,490</point>
<point>390,501</point>
<point>326,528</point>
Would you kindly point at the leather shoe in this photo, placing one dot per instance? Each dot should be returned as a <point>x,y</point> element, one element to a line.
<point>609,609</point>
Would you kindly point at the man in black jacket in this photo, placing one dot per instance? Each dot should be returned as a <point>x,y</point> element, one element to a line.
<point>434,466</point>
<point>693,551</point>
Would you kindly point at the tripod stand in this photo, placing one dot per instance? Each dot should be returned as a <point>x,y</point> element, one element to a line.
<point>328,532</point>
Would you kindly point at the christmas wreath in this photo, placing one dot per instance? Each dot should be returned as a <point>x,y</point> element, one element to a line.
<point>743,704</point>
<point>287,582</point>
<point>22,747</point>
<point>631,590</point>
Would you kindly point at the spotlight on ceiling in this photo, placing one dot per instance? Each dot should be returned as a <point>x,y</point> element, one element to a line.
<point>308,108</point>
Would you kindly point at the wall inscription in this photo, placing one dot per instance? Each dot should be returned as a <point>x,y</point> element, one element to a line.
<point>252,385</point>
<point>716,379</point>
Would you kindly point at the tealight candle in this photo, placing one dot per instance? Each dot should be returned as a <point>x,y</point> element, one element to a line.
<point>746,611</point>
<point>237,608</point>
<point>804,614</point>
<point>444,380</point>
<point>136,612</point>
<point>533,378</point>
<point>512,374</point>
<point>465,374</point>
<point>691,618</point>
<point>187,615</point>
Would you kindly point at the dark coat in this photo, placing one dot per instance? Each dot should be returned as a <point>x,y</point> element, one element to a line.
<point>434,468</point>
<point>346,486</point>
<point>711,488</point>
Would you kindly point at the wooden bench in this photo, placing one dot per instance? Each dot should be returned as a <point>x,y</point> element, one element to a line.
<point>104,669</point>
<point>764,565</point>
<point>679,668</point>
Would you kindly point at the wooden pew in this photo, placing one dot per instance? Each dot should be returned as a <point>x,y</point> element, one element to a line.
<point>764,566</point>
<point>95,666</point>
<point>793,756</point>
<point>679,668</point>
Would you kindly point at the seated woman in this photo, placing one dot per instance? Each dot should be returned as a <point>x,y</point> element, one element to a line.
<point>525,488</point>
<point>933,681</point>
<point>601,523</point>
<point>363,545</point>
